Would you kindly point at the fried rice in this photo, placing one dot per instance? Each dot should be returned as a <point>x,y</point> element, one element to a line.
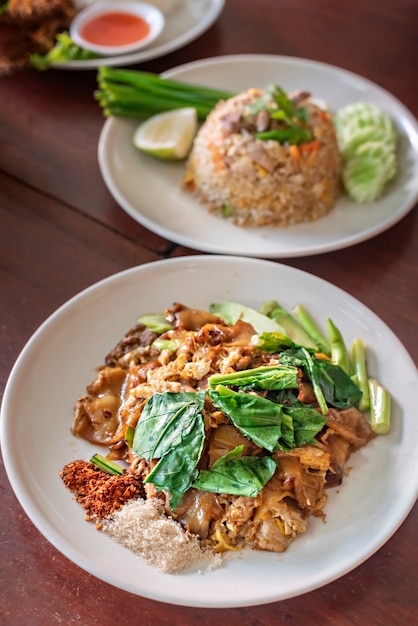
<point>262,182</point>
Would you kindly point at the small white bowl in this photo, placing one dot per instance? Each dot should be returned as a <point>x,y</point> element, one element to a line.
<point>151,14</point>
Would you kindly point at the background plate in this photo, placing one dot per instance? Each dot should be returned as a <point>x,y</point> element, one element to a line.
<point>189,20</point>
<point>60,360</point>
<point>150,191</point>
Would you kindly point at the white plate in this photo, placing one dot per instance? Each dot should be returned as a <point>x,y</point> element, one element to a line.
<point>150,190</point>
<point>60,360</point>
<point>189,20</point>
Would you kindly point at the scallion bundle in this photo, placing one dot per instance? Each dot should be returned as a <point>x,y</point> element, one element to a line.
<point>135,94</point>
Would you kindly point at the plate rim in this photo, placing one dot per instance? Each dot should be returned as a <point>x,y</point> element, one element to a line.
<point>178,262</point>
<point>343,241</point>
<point>153,52</point>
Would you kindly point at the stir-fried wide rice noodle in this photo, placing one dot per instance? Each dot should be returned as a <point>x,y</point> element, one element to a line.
<point>206,346</point>
<point>255,182</point>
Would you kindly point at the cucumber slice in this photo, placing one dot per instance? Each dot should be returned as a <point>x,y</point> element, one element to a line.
<point>382,151</point>
<point>364,178</point>
<point>367,139</point>
<point>362,136</point>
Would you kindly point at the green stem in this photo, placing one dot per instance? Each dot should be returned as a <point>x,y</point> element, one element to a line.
<point>130,93</point>
<point>312,329</point>
<point>379,407</point>
<point>105,465</point>
<point>311,370</point>
<point>360,376</point>
<point>339,352</point>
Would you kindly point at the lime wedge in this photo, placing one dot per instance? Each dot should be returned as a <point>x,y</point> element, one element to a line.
<point>167,135</point>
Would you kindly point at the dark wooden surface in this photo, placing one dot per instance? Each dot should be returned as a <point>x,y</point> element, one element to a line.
<point>60,231</point>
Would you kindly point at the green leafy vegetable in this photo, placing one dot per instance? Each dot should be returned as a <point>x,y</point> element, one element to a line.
<point>287,438</point>
<point>272,342</point>
<point>267,377</point>
<point>171,429</point>
<point>236,474</point>
<point>64,50</point>
<point>302,358</point>
<point>306,424</point>
<point>338,388</point>
<point>331,384</point>
<point>176,470</point>
<point>165,420</point>
<point>257,418</point>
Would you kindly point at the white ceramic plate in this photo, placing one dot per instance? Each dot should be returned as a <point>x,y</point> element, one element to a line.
<point>60,360</point>
<point>150,190</point>
<point>189,20</point>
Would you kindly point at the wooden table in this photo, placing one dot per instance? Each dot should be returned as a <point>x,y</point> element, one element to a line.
<point>61,231</point>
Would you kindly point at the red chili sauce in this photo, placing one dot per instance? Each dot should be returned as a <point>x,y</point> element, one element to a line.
<point>115,29</point>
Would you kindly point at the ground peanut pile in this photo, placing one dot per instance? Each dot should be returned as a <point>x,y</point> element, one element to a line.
<point>99,493</point>
<point>143,527</point>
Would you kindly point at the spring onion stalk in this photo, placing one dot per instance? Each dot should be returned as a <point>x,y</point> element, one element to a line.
<point>136,94</point>
<point>312,329</point>
<point>339,352</point>
<point>105,465</point>
<point>360,376</point>
<point>379,407</point>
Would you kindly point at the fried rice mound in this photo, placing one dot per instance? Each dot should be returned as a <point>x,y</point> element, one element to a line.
<point>261,182</point>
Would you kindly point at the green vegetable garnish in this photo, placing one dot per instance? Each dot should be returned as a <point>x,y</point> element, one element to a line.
<point>135,94</point>
<point>265,377</point>
<point>171,429</point>
<point>292,135</point>
<point>254,416</point>
<point>307,322</point>
<point>367,139</point>
<point>64,50</point>
<point>306,423</point>
<point>105,465</point>
<point>165,344</point>
<point>379,407</point>
<point>231,312</point>
<point>290,117</point>
<point>330,383</point>
<point>339,352</point>
<point>360,376</point>
<point>156,322</point>
<point>286,320</point>
<point>236,474</point>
